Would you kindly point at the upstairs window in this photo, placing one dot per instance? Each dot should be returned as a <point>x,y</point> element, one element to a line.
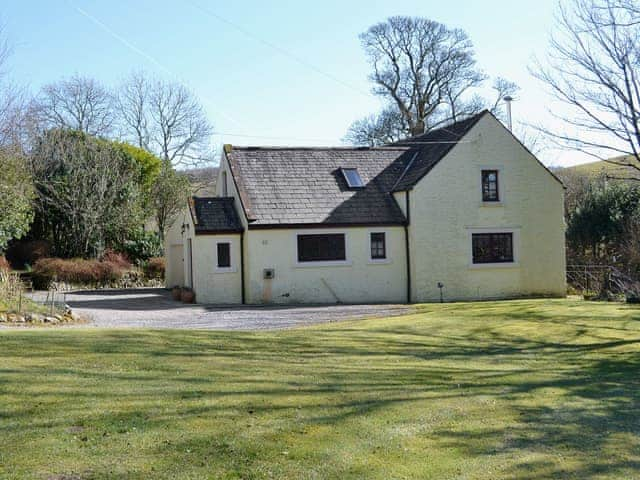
<point>378,246</point>
<point>321,248</point>
<point>352,177</point>
<point>492,248</point>
<point>224,255</point>
<point>490,191</point>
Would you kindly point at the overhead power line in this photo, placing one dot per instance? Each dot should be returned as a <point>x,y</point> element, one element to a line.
<point>277,48</point>
<point>145,55</point>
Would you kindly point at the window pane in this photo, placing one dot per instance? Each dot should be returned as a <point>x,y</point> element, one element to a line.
<point>490,186</point>
<point>224,255</point>
<point>492,247</point>
<point>321,248</point>
<point>378,246</point>
<point>352,177</point>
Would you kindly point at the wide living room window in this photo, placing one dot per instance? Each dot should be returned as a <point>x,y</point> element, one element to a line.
<point>492,248</point>
<point>321,247</point>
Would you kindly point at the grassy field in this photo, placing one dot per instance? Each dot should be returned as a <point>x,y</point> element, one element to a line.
<point>521,389</point>
<point>601,168</point>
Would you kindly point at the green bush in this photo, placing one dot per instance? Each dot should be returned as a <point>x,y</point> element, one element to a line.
<point>141,246</point>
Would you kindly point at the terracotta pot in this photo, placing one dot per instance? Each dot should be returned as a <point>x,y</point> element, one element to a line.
<point>176,293</point>
<point>188,296</point>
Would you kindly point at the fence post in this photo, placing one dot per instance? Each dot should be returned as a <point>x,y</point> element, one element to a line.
<point>586,279</point>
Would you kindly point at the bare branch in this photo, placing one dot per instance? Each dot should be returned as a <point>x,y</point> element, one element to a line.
<point>593,71</point>
<point>75,103</point>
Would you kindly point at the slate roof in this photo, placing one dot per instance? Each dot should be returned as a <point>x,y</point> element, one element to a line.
<point>289,186</point>
<point>215,215</point>
<point>433,146</point>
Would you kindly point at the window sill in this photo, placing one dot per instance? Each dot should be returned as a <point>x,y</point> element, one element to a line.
<point>335,263</point>
<point>225,270</point>
<point>485,266</point>
<point>492,204</point>
<point>380,261</point>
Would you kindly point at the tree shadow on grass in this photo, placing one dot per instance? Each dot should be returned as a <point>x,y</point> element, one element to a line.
<point>574,396</point>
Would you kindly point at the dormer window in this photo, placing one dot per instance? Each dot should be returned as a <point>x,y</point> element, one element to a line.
<point>352,177</point>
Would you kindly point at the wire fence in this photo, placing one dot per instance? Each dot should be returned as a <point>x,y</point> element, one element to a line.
<point>602,280</point>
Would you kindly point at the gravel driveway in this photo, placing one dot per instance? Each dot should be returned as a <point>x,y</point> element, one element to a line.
<point>154,308</point>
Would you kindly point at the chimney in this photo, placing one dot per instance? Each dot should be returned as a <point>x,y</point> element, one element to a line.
<point>508,99</point>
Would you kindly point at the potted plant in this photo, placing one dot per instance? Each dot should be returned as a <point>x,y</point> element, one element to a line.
<point>176,293</point>
<point>188,295</point>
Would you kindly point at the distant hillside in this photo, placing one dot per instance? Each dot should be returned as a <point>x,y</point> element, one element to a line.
<point>203,181</point>
<point>602,168</point>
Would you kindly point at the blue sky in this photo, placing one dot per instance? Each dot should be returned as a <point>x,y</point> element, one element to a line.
<point>277,72</point>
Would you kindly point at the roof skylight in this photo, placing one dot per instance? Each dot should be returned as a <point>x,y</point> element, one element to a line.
<point>352,177</point>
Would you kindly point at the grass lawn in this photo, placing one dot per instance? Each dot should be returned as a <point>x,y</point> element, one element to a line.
<point>521,389</point>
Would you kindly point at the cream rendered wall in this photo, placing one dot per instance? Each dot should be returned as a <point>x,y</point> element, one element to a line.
<point>174,273</point>
<point>447,204</point>
<point>213,285</point>
<point>358,281</point>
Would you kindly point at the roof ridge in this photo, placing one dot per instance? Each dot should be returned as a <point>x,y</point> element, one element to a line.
<point>319,149</point>
<point>445,128</point>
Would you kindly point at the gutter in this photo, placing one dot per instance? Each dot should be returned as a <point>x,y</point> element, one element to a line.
<point>407,244</point>
<point>243,300</point>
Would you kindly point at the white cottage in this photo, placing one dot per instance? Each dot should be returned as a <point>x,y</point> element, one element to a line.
<point>465,211</point>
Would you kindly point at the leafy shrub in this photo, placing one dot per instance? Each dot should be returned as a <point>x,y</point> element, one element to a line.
<point>120,259</point>
<point>77,271</point>
<point>155,267</point>
<point>4,265</point>
<point>141,246</point>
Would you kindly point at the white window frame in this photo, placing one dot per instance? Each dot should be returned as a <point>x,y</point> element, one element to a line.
<point>378,261</point>
<point>500,170</point>
<point>515,240</point>
<point>331,263</point>
<point>233,268</point>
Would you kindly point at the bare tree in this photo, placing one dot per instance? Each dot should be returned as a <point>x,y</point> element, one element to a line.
<point>390,125</point>
<point>165,118</point>
<point>132,104</point>
<point>420,65</point>
<point>13,100</point>
<point>386,127</point>
<point>77,103</point>
<point>428,75</point>
<point>594,71</point>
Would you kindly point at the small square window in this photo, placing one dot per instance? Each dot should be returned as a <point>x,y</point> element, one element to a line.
<point>490,191</point>
<point>352,177</point>
<point>224,255</point>
<point>378,246</point>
